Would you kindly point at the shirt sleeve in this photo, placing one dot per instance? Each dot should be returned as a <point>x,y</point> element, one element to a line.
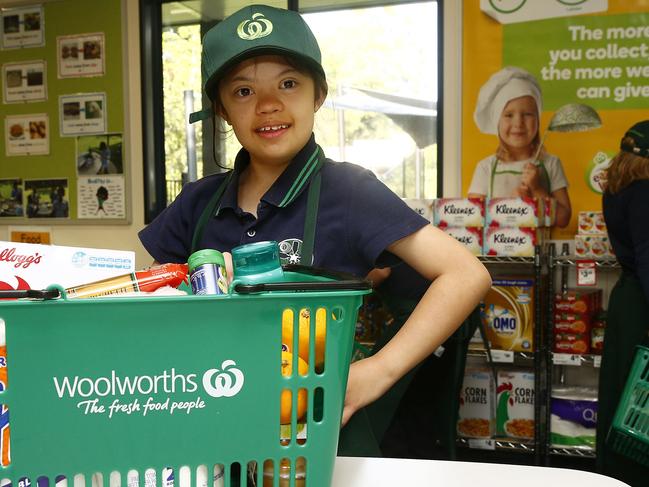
<point>481,178</point>
<point>639,212</point>
<point>556,174</point>
<point>376,218</point>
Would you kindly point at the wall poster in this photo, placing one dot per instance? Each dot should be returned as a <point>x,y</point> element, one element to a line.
<point>82,114</point>
<point>22,27</point>
<point>27,134</point>
<point>24,82</point>
<point>81,55</point>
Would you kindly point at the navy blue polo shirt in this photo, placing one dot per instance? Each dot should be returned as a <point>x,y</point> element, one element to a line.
<point>358,216</point>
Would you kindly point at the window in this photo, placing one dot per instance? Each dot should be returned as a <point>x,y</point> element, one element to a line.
<point>381,60</point>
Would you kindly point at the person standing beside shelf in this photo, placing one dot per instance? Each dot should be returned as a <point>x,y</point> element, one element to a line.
<point>509,106</point>
<point>263,75</point>
<point>626,211</point>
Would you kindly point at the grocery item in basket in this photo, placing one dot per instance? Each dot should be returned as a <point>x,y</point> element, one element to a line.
<point>304,325</point>
<point>286,397</point>
<point>510,241</point>
<point>476,415</point>
<point>207,274</point>
<point>515,404</point>
<point>285,472</point>
<point>508,314</point>
<point>257,263</point>
<point>146,280</point>
<point>470,237</point>
<point>514,212</point>
<point>574,416</point>
<point>458,212</point>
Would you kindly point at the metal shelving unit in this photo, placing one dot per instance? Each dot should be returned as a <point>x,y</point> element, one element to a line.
<point>572,452</point>
<point>502,444</point>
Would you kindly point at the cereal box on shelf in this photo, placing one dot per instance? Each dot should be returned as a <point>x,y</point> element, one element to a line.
<point>515,404</point>
<point>593,246</point>
<point>591,222</point>
<point>508,314</point>
<point>510,241</point>
<point>476,415</point>
<point>33,266</point>
<point>458,212</point>
<point>514,212</point>
<point>470,237</point>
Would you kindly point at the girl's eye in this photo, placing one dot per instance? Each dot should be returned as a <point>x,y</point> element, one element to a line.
<point>289,83</point>
<point>243,92</point>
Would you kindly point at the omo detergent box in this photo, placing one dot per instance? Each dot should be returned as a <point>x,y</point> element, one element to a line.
<point>508,314</point>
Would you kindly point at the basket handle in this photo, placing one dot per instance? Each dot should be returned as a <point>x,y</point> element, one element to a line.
<point>340,281</point>
<point>44,294</point>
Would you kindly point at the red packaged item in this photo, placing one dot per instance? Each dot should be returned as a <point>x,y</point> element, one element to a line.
<point>146,280</point>
<point>571,343</point>
<point>582,301</point>
<point>571,323</point>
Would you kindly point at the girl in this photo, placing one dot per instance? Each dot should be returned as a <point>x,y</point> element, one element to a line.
<point>626,207</point>
<point>263,75</point>
<point>509,106</point>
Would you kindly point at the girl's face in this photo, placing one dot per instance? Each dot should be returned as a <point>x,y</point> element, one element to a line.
<point>270,106</point>
<point>518,125</point>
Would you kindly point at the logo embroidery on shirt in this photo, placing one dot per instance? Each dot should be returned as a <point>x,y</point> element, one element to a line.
<point>290,251</point>
<point>258,27</point>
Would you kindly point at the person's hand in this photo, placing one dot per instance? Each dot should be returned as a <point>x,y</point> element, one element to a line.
<point>378,275</point>
<point>523,191</point>
<point>229,268</point>
<point>367,382</point>
<point>531,177</point>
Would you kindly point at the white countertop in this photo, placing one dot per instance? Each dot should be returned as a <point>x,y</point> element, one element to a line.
<point>390,472</point>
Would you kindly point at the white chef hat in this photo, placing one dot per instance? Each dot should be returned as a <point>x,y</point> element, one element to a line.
<point>503,86</point>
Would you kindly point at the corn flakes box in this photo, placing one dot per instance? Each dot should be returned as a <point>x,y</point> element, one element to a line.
<point>515,404</point>
<point>476,415</point>
<point>458,212</point>
<point>507,312</point>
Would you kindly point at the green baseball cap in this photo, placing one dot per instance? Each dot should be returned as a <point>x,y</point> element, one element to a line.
<point>640,135</point>
<point>252,31</point>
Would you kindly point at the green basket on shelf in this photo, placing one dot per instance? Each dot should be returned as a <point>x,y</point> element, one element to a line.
<point>629,433</point>
<point>120,384</point>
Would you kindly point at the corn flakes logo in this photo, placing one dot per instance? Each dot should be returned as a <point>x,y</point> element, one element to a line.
<point>258,27</point>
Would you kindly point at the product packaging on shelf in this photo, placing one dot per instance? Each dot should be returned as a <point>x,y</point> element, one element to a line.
<point>33,266</point>
<point>574,417</point>
<point>591,222</point>
<point>470,237</point>
<point>476,415</point>
<point>593,247</point>
<point>515,404</point>
<point>574,314</point>
<point>459,212</point>
<point>510,241</point>
<point>508,314</point>
<point>422,206</point>
<point>572,343</point>
<point>515,212</point>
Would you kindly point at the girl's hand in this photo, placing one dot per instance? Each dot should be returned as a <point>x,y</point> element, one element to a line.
<point>367,382</point>
<point>531,177</point>
<point>229,268</point>
<point>523,191</point>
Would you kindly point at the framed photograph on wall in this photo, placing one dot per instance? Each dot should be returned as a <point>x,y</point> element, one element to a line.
<point>83,113</point>
<point>22,27</point>
<point>81,55</point>
<point>47,198</point>
<point>24,82</point>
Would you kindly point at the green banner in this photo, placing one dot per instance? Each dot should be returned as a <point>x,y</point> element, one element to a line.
<point>602,61</point>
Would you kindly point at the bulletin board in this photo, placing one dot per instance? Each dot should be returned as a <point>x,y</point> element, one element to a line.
<point>62,157</point>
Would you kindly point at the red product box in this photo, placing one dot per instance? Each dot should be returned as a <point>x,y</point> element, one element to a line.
<point>572,343</point>
<point>570,323</point>
<point>579,301</point>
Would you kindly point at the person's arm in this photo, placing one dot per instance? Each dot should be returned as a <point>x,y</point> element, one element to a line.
<point>531,179</point>
<point>459,281</point>
<point>564,209</point>
<point>639,212</point>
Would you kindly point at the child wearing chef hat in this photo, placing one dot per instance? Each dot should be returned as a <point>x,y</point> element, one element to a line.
<point>509,106</point>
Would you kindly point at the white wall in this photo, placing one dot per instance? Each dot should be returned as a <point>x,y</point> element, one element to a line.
<point>122,237</point>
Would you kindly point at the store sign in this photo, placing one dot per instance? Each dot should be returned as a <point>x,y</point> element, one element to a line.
<point>510,11</point>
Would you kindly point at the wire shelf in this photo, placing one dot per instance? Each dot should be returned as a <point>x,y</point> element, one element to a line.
<point>508,444</point>
<point>572,452</point>
<point>571,260</point>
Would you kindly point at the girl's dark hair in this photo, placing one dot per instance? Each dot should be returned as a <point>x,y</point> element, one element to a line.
<point>625,168</point>
<point>299,64</point>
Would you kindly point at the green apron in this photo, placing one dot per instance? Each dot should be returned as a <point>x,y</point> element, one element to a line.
<point>362,434</point>
<point>627,325</point>
<point>495,172</point>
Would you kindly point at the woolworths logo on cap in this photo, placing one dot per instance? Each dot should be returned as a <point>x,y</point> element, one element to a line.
<point>255,28</point>
<point>110,394</point>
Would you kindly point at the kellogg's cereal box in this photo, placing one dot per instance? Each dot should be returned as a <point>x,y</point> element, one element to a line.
<point>470,237</point>
<point>476,416</point>
<point>458,212</point>
<point>515,404</point>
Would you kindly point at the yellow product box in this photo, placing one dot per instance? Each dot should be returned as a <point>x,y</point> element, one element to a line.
<point>477,415</point>
<point>508,314</point>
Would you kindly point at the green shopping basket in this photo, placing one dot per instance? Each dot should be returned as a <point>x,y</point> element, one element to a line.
<point>98,386</point>
<point>629,433</point>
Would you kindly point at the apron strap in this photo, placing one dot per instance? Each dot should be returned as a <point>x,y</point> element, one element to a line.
<point>208,212</point>
<point>494,173</point>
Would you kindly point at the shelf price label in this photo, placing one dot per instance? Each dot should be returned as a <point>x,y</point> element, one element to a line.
<point>597,361</point>
<point>586,273</point>
<point>566,359</point>
<point>502,356</point>
<point>482,443</point>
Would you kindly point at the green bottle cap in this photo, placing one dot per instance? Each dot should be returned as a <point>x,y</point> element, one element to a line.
<point>256,259</point>
<point>205,256</point>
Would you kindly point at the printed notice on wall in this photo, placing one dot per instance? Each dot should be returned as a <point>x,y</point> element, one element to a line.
<point>24,82</point>
<point>27,134</point>
<point>22,27</point>
<point>82,114</point>
<point>101,197</point>
<point>81,55</point>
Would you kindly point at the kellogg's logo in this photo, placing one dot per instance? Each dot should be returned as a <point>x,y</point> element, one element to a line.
<point>19,260</point>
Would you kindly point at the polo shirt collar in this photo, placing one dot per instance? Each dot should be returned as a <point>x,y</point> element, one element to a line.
<point>288,186</point>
